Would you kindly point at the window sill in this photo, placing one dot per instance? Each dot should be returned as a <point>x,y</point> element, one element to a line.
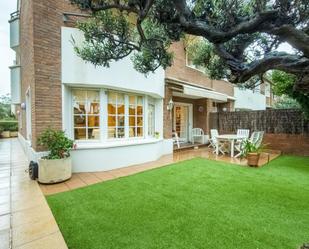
<point>112,144</point>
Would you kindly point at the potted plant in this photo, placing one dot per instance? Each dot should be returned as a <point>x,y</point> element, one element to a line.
<point>252,153</point>
<point>57,165</point>
<point>157,135</point>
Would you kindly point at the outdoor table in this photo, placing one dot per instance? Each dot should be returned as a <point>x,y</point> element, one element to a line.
<point>231,138</point>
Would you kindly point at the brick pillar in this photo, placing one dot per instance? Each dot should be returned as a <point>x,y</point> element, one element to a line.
<point>167,115</point>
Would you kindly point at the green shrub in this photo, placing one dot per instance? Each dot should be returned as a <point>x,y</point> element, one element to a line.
<point>8,125</point>
<point>57,143</point>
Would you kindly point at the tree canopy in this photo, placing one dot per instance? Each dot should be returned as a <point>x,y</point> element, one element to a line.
<point>239,39</point>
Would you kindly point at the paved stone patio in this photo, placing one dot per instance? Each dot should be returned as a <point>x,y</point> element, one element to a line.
<point>26,221</point>
<point>79,180</point>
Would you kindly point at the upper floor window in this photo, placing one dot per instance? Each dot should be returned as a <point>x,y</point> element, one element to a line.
<point>86,114</point>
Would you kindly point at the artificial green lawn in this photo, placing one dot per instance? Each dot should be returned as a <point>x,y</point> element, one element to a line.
<point>193,204</point>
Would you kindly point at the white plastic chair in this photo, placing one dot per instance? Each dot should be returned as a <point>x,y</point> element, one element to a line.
<point>215,142</point>
<point>197,133</point>
<point>257,138</point>
<point>243,133</point>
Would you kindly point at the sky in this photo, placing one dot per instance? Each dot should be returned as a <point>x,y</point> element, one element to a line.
<point>7,55</point>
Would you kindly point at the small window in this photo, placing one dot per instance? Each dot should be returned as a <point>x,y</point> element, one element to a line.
<point>116,115</point>
<point>151,120</point>
<point>136,112</point>
<point>86,114</point>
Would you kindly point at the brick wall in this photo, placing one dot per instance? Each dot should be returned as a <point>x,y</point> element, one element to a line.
<point>180,71</point>
<point>41,23</point>
<point>285,130</point>
<point>26,60</point>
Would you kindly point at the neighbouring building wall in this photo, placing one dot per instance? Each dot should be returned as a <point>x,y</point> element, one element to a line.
<point>285,130</point>
<point>249,100</point>
<point>181,71</point>
<point>27,64</point>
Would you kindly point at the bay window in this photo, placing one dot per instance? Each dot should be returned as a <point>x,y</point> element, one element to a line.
<point>102,114</point>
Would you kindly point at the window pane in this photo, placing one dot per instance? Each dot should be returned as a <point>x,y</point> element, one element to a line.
<point>140,101</point>
<point>151,120</point>
<point>112,97</point>
<point>120,132</point>
<point>140,110</point>
<point>139,121</point>
<point>120,109</point>
<point>93,121</point>
<point>132,120</point>
<point>120,121</point>
<point>94,108</point>
<point>139,131</point>
<point>111,109</point>
<point>94,133</point>
<point>79,96</point>
<point>111,120</point>
<point>79,108</point>
<point>93,96</point>
<point>132,110</point>
<point>111,132</point>
<point>120,99</point>
<point>80,134</point>
<point>132,131</point>
<point>79,121</point>
<point>132,100</point>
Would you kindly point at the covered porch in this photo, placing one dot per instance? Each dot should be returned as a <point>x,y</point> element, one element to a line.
<point>188,107</point>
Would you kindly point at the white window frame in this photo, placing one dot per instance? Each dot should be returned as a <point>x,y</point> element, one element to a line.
<point>192,66</point>
<point>153,123</point>
<point>103,114</point>
<point>86,115</point>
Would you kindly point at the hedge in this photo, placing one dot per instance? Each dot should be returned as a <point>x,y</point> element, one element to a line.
<point>8,125</point>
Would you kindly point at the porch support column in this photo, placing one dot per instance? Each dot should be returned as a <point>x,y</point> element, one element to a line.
<point>167,115</point>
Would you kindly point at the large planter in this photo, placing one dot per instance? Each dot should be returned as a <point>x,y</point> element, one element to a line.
<point>13,134</point>
<point>253,159</point>
<point>56,170</point>
<point>5,134</point>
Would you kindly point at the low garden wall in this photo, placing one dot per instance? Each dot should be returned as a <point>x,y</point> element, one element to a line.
<point>8,128</point>
<point>285,130</point>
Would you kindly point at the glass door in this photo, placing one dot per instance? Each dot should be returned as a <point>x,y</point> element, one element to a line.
<point>181,122</point>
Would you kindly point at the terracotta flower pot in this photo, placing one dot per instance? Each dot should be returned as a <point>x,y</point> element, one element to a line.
<point>253,159</point>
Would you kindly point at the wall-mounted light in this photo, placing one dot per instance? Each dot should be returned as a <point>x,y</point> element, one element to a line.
<point>224,109</point>
<point>170,105</point>
<point>23,106</point>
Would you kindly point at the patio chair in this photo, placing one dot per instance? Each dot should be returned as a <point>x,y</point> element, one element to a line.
<point>243,132</point>
<point>257,138</point>
<point>197,133</point>
<point>176,139</point>
<point>215,142</point>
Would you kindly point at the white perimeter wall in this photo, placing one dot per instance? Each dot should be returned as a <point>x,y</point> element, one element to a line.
<point>247,99</point>
<point>120,75</point>
<point>102,159</point>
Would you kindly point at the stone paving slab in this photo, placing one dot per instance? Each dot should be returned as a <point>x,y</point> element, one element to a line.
<point>26,220</point>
